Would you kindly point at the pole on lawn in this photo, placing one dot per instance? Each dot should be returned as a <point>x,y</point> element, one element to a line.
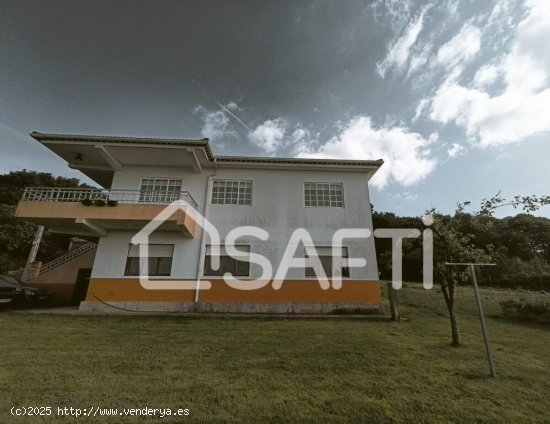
<point>33,252</point>
<point>471,267</point>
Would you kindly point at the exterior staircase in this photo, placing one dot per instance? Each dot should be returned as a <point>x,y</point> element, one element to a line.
<point>69,256</point>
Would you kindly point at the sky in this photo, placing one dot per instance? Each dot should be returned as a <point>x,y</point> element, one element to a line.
<point>453,95</point>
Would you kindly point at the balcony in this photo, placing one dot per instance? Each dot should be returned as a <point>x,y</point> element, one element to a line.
<point>95,212</point>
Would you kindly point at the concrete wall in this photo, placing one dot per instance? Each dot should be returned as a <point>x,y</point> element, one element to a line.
<point>61,280</point>
<point>277,206</point>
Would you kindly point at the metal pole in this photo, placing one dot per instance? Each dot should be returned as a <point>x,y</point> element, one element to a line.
<point>482,320</point>
<point>33,252</point>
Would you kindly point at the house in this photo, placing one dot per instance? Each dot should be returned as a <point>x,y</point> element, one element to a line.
<point>139,177</point>
<point>66,276</point>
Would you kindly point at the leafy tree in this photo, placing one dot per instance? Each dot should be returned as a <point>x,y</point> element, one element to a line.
<point>16,236</point>
<point>454,241</point>
<point>13,184</point>
<point>453,245</point>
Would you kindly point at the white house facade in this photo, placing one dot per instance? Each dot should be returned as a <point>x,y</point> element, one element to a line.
<point>139,177</point>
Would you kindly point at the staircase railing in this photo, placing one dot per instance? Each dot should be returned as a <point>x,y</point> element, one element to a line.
<point>71,254</point>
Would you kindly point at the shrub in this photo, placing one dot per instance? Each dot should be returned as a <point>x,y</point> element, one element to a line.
<point>527,311</point>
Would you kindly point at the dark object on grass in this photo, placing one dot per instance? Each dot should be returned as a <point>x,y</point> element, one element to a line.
<point>15,292</point>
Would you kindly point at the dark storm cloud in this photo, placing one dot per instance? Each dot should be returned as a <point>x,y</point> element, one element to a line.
<point>304,69</point>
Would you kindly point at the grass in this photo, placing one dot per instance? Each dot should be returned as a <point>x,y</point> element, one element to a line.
<point>281,370</point>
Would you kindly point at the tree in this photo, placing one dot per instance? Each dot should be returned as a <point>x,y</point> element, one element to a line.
<point>454,241</point>
<point>15,235</point>
<point>452,245</point>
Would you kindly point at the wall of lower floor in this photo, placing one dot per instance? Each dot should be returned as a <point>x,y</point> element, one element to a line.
<point>302,291</point>
<point>60,281</point>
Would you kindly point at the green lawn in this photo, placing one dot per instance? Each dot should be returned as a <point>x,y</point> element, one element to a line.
<point>280,370</point>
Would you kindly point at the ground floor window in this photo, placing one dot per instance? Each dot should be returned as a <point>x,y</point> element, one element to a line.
<point>325,257</point>
<point>239,267</point>
<point>159,261</point>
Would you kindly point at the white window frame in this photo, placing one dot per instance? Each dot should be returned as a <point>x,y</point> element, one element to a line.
<point>155,179</point>
<point>244,248</point>
<point>133,252</point>
<point>317,183</point>
<point>321,249</point>
<point>232,180</point>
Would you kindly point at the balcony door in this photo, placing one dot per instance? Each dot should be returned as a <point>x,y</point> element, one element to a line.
<point>159,190</point>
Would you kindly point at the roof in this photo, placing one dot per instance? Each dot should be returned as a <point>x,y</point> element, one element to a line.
<point>105,154</point>
<point>183,142</point>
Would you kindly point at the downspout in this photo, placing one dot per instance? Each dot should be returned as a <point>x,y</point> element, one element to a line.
<point>200,270</point>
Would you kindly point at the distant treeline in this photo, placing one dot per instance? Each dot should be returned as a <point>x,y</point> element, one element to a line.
<point>519,245</point>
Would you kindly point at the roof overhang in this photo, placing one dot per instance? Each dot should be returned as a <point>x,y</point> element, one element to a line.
<point>98,157</point>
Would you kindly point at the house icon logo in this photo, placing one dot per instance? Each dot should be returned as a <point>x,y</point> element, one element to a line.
<point>141,239</point>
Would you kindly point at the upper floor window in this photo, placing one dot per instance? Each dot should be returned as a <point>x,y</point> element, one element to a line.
<point>324,194</point>
<point>159,190</point>
<point>232,192</point>
<point>159,260</point>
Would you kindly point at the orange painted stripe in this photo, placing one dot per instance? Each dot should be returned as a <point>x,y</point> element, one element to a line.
<point>129,289</point>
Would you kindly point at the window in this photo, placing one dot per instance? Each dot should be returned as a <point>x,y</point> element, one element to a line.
<point>159,190</point>
<point>325,257</point>
<point>239,268</point>
<point>324,194</point>
<point>232,192</point>
<point>159,262</point>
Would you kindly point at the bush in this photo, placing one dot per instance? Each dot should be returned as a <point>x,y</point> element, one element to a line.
<point>526,311</point>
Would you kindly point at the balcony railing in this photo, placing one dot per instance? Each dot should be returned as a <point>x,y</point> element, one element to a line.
<point>112,197</point>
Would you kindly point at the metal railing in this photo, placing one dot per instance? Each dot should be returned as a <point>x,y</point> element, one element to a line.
<point>111,197</point>
<point>71,254</point>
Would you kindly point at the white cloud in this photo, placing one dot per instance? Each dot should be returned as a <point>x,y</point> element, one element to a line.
<point>521,109</point>
<point>398,53</point>
<point>269,135</point>
<point>486,75</point>
<point>423,104</point>
<point>278,135</point>
<point>456,150</point>
<point>407,195</point>
<point>461,48</point>
<point>419,59</point>
<point>215,123</point>
<point>405,154</point>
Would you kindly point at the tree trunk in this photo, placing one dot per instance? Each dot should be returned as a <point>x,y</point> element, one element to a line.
<point>448,290</point>
<point>454,328</point>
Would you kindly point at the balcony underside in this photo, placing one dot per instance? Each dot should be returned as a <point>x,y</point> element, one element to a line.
<point>78,219</point>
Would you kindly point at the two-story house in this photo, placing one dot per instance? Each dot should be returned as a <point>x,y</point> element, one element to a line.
<point>140,176</point>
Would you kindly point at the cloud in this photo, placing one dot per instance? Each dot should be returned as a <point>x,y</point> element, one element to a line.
<point>486,75</point>
<point>405,153</point>
<point>461,48</point>
<point>521,109</point>
<point>276,136</point>
<point>456,150</point>
<point>423,104</point>
<point>215,122</point>
<point>419,59</point>
<point>399,51</point>
<point>269,135</point>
